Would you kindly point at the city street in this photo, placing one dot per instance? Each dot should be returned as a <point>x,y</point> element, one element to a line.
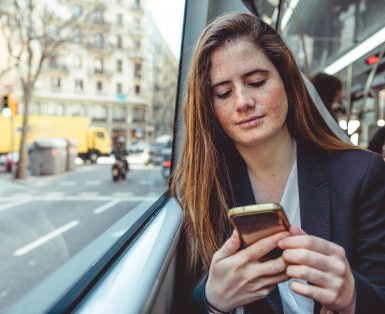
<point>44,221</point>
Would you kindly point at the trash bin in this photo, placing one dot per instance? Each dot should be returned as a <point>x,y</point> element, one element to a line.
<point>48,156</point>
<point>71,153</point>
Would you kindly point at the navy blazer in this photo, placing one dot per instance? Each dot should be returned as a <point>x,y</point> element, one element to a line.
<point>342,199</point>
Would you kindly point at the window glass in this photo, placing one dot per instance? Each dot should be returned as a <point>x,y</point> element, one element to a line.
<point>92,93</point>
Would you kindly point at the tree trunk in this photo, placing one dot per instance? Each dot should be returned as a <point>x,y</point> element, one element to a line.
<point>21,169</point>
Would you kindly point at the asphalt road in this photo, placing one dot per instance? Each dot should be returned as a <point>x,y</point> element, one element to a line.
<point>44,221</point>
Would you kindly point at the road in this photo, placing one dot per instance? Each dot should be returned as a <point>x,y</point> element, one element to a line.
<point>44,221</point>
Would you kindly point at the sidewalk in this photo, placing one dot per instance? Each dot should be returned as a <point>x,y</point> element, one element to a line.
<point>8,184</point>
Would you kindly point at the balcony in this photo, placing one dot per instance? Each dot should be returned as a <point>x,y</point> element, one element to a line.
<point>99,48</point>
<point>100,73</point>
<point>56,67</point>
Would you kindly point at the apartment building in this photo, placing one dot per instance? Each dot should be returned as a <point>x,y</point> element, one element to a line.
<point>116,70</point>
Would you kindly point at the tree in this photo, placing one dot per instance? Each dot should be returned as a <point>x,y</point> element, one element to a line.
<point>33,31</point>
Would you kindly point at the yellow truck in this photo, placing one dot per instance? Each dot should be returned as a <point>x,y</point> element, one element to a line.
<point>91,142</point>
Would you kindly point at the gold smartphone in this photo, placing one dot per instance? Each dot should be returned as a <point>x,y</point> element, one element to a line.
<point>254,222</point>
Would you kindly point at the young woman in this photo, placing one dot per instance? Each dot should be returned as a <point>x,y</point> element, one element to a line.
<point>253,135</point>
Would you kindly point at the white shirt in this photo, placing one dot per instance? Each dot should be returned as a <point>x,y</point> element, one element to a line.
<point>292,302</point>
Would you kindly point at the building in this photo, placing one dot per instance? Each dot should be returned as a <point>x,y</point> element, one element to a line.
<point>115,69</point>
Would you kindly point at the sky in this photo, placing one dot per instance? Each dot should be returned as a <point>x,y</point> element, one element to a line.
<point>168,16</point>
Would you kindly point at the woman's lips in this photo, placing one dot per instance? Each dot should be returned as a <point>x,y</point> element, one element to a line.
<point>250,122</point>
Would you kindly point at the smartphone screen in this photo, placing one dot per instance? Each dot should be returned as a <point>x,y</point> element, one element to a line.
<point>256,226</point>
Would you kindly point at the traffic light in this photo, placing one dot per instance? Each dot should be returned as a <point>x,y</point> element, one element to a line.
<point>5,111</point>
<point>9,106</point>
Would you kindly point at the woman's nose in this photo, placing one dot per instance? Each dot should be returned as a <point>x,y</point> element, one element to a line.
<point>244,100</point>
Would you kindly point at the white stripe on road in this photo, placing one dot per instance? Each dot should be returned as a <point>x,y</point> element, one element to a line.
<point>67,183</point>
<point>94,182</point>
<point>105,207</point>
<point>33,245</point>
<point>88,194</point>
<point>14,204</point>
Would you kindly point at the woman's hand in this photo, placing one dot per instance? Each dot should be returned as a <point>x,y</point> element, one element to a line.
<point>237,277</point>
<point>324,265</point>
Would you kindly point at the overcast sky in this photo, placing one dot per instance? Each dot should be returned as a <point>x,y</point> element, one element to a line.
<point>168,15</point>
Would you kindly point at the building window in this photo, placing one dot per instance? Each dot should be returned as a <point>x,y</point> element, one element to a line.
<point>55,83</point>
<point>138,70</point>
<point>77,35</point>
<point>119,65</point>
<point>99,113</point>
<point>119,88</point>
<point>98,17</point>
<point>98,40</point>
<point>137,89</point>
<point>137,44</point>
<point>119,19</point>
<point>78,61</point>
<point>119,42</point>
<point>76,11</point>
<point>137,23</point>
<point>99,86</point>
<point>78,85</point>
<point>98,65</point>
<point>53,32</point>
<point>77,110</point>
<point>52,62</point>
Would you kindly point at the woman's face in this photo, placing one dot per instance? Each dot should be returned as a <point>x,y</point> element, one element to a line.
<point>248,94</point>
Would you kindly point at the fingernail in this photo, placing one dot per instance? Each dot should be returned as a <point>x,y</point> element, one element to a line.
<point>279,243</point>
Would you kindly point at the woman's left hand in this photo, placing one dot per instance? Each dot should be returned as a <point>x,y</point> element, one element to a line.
<point>324,265</point>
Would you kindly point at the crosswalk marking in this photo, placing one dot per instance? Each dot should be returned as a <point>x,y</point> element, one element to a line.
<point>14,203</point>
<point>67,183</point>
<point>33,245</point>
<point>94,182</point>
<point>105,207</point>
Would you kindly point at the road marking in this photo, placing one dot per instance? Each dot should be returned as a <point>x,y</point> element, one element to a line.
<point>94,182</point>
<point>33,245</point>
<point>14,204</point>
<point>88,194</point>
<point>146,182</point>
<point>67,183</point>
<point>104,207</point>
<point>122,194</point>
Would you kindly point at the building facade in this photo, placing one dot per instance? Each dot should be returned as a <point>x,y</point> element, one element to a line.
<point>115,70</point>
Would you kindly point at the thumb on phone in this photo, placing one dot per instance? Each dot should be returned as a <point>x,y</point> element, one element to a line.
<point>230,247</point>
<point>295,230</point>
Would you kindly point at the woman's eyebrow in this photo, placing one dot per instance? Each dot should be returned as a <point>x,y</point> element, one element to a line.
<point>254,71</point>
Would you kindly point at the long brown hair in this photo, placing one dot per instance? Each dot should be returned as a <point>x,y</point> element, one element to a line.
<point>202,175</point>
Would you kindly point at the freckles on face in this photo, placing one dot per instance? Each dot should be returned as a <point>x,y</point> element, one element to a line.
<point>248,94</point>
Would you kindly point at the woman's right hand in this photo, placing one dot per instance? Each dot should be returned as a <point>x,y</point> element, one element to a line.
<point>236,277</point>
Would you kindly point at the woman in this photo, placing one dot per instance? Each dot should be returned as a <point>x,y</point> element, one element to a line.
<point>253,135</point>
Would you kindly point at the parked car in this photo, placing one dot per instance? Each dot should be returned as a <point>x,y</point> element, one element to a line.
<point>139,153</point>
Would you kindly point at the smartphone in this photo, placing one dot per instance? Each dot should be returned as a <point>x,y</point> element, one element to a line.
<point>255,222</point>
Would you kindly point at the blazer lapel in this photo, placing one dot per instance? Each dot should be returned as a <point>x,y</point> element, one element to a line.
<point>313,197</point>
<point>313,194</point>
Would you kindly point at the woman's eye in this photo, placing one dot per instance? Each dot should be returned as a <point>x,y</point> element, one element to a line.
<point>223,95</point>
<point>257,84</point>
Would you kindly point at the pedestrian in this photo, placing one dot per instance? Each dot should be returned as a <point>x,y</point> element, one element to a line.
<point>253,135</point>
<point>329,88</point>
